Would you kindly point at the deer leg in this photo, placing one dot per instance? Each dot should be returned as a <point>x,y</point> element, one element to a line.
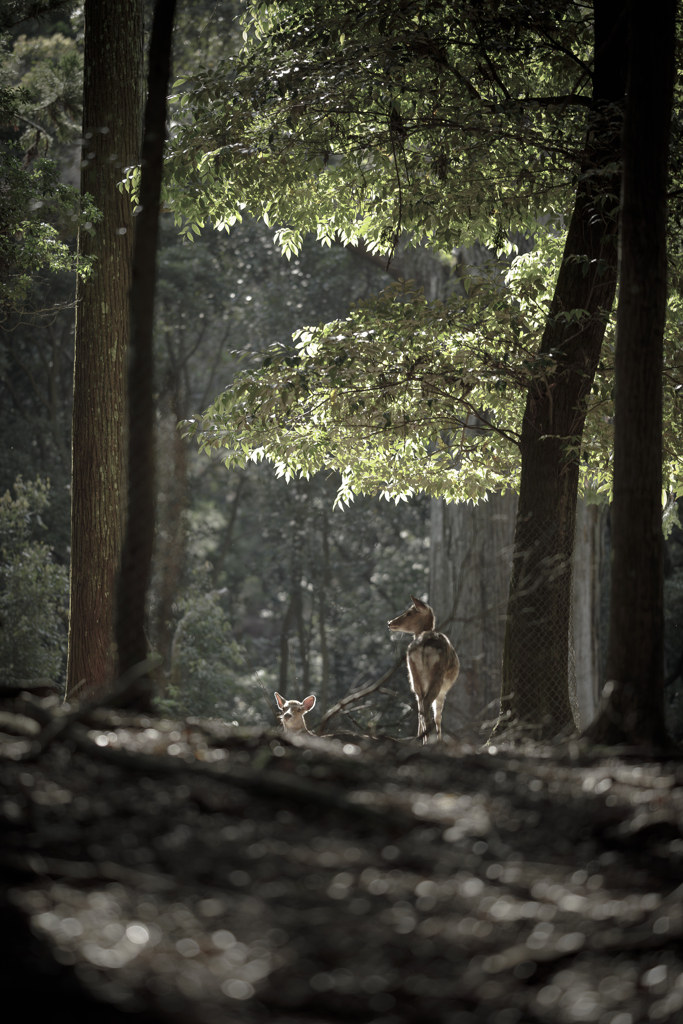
<point>421,720</point>
<point>418,687</point>
<point>421,711</point>
<point>437,708</point>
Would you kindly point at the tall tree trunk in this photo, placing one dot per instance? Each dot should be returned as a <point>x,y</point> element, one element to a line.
<point>171,534</point>
<point>289,617</point>
<point>303,643</point>
<point>322,615</point>
<point>469,579</point>
<point>537,653</point>
<point>469,574</point>
<point>136,559</point>
<point>112,106</point>
<point>225,545</point>
<point>633,711</point>
<point>588,621</point>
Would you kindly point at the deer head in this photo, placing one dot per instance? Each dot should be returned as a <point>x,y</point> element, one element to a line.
<point>293,711</point>
<point>418,619</point>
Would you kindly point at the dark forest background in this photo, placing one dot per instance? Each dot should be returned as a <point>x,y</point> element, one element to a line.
<point>259,583</point>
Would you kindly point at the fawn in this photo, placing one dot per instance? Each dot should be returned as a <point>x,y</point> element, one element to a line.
<point>433,665</point>
<point>293,712</point>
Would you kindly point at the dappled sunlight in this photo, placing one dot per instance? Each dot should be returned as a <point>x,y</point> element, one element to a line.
<point>190,865</point>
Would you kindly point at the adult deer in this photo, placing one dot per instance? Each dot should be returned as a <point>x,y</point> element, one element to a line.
<point>433,665</point>
<point>293,711</point>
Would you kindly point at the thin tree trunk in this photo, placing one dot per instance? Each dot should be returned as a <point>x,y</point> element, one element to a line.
<point>303,644</point>
<point>226,541</point>
<point>56,404</point>
<point>587,620</point>
<point>469,576</point>
<point>633,711</point>
<point>136,557</point>
<point>322,617</point>
<point>171,538</point>
<point>537,651</point>
<point>112,105</point>
<point>284,642</point>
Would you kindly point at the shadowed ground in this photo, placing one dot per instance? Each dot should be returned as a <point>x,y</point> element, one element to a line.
<point>197,872</point>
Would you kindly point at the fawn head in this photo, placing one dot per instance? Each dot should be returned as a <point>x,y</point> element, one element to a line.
<point>418,619</point>
<point>293,711</point>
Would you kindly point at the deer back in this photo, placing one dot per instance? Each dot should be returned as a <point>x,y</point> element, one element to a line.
<point>433,665</point>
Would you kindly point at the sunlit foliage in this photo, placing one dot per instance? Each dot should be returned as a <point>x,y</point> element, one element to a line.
<point>404,396</point>
<point>367,120</point>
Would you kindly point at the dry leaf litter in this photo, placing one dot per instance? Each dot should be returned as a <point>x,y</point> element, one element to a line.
<point>193,871</point>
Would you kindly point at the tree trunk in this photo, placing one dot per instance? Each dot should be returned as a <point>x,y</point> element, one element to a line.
<point>322,616</point>
<point>225,546</point>
<point>536,662</point>
<point>633,711</point>
<point>171,535</point>
<point>289,617</point>
<point>469,575</point>
<point>303,645</point>
<point>136,558</point>
<point>112,106</point>
<point>470,559</point>
<point>588,623</point>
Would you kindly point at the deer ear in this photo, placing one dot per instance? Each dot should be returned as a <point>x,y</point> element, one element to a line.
<point>280,701</point>
<point>309,702</point>
<point>417,602</point>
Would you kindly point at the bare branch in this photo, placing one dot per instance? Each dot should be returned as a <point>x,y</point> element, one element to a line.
<point>351,698</point>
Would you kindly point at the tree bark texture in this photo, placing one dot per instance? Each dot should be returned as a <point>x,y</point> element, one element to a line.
<point>633,710</point>
<point>469,574</point>
<point>112,107</point>
<point>322,615</point>
<point>136,559</point>
<point>171,540</point>
<point>536,663</point>
<point>589,593</point>
<point>470,560</point>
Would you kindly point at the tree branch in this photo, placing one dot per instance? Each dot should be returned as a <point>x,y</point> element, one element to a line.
<point>351,698</point>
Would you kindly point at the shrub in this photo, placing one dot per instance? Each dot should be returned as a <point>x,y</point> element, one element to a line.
<point>33,589</point>
<point>206,659</point>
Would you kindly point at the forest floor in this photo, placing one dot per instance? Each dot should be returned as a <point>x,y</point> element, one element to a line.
<point>157,870</point>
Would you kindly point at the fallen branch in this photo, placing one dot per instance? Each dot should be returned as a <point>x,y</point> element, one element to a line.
<point>39,687</point>
<point>124,690</point>
<point>351,698</point>
<point>266,783</point>
<point>268,701</point>
<point>36,864</point>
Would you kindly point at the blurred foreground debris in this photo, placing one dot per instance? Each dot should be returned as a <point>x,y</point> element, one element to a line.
<point>190,870</point>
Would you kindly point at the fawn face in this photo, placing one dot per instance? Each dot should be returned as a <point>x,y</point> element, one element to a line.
<point>418,619</point>
<point>293,711</point>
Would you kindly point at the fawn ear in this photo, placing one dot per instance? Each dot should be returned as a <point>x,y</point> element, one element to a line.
<point>309,702</point>
<point>280,701</point>
<point>417,602</point>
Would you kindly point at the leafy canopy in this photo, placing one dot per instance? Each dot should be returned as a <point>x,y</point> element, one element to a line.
<point>364,120</point>
<point>404,395</point>
<point>35,209</point>
<point>40,98</point>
